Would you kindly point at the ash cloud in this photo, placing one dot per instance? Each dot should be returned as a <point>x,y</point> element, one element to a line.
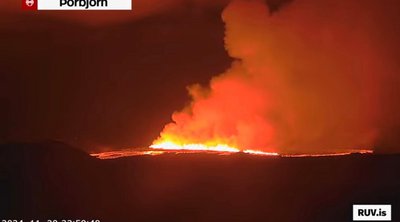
<point>315,76</point>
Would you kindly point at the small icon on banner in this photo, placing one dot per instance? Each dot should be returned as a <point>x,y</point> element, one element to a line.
<point>29,4</point>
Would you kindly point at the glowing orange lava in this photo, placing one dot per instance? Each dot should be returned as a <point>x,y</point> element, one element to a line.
<point>170,147</point>
<point>257,152</point>
<point>330,154</point>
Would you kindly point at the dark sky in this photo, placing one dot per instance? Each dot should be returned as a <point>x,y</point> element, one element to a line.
<point>107,85</point>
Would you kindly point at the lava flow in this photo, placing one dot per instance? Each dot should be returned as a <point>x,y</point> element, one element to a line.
<point>169,147</point>
<point>223,148</point>
<point>193,146</point>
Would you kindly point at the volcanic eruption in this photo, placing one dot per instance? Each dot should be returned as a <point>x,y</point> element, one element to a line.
<point>305,80</point>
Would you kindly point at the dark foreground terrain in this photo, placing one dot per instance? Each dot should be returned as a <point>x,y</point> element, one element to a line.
<point>55,181</point>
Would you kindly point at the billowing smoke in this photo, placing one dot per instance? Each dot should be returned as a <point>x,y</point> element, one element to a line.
<point>308,78</point>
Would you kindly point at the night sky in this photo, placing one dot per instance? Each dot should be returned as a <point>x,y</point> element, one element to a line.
<point>111,83</point>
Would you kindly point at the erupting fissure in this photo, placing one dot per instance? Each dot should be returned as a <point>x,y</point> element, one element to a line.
<point>171,148</point>
<point>168,145</point>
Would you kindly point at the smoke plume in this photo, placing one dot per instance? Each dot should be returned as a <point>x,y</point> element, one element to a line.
<point>309,78</point>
